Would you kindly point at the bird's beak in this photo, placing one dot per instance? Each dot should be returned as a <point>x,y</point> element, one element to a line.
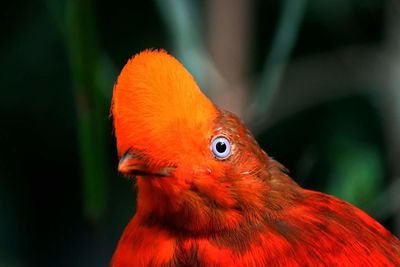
<point>133,165</point>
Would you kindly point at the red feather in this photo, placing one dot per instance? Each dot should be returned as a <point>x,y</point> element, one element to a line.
<point>195,209</point>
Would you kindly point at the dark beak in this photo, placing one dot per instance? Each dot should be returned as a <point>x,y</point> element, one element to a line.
<point>133,165</point>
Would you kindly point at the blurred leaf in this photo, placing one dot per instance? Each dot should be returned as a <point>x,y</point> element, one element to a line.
<point>105,70</point>
<point>57,11</point>
<point>183,22</point>
<point>289,24</point>
<point>357,173</point>
<point>331,13</point>
<point>92,106</point>
<point>354,161</point>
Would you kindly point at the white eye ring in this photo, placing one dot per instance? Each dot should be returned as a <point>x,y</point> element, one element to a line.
<point>221,147</point>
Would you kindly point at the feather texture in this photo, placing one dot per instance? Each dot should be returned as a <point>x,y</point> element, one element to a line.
<point>240,211</point>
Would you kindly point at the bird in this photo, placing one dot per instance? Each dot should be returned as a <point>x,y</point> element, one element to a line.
<point>208,195</point>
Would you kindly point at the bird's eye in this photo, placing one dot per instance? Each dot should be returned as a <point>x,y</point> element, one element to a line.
<point>221,147</point>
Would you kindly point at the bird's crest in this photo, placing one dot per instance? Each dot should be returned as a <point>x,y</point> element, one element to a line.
<point>156,103</point>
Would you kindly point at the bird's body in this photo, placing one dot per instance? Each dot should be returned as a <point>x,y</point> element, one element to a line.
<point>208,195</point>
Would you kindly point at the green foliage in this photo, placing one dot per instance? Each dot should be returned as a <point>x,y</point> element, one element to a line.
<point>357,170</point>
<point>92,106</point>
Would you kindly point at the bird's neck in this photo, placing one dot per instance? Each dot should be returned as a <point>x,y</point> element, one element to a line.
<point>211,207</point>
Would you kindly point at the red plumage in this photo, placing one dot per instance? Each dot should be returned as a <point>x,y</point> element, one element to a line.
<point>197,208</point>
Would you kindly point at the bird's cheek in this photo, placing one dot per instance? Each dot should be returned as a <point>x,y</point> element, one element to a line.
<point>217,170</point>
<point>183,175</point>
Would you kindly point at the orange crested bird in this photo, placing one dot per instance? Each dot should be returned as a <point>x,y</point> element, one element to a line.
<point>208,195</point>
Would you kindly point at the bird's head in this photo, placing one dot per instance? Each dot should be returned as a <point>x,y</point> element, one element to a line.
<point>196,167</point>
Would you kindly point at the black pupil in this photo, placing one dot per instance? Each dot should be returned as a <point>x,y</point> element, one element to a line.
<point>221,147</point>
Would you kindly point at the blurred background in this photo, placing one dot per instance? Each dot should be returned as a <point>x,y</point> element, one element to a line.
<point>317,81</point>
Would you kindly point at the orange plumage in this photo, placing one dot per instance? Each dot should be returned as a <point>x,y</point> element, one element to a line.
<point>208,195</point>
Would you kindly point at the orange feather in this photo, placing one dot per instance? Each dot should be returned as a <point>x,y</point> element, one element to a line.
<point>208,195</point>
